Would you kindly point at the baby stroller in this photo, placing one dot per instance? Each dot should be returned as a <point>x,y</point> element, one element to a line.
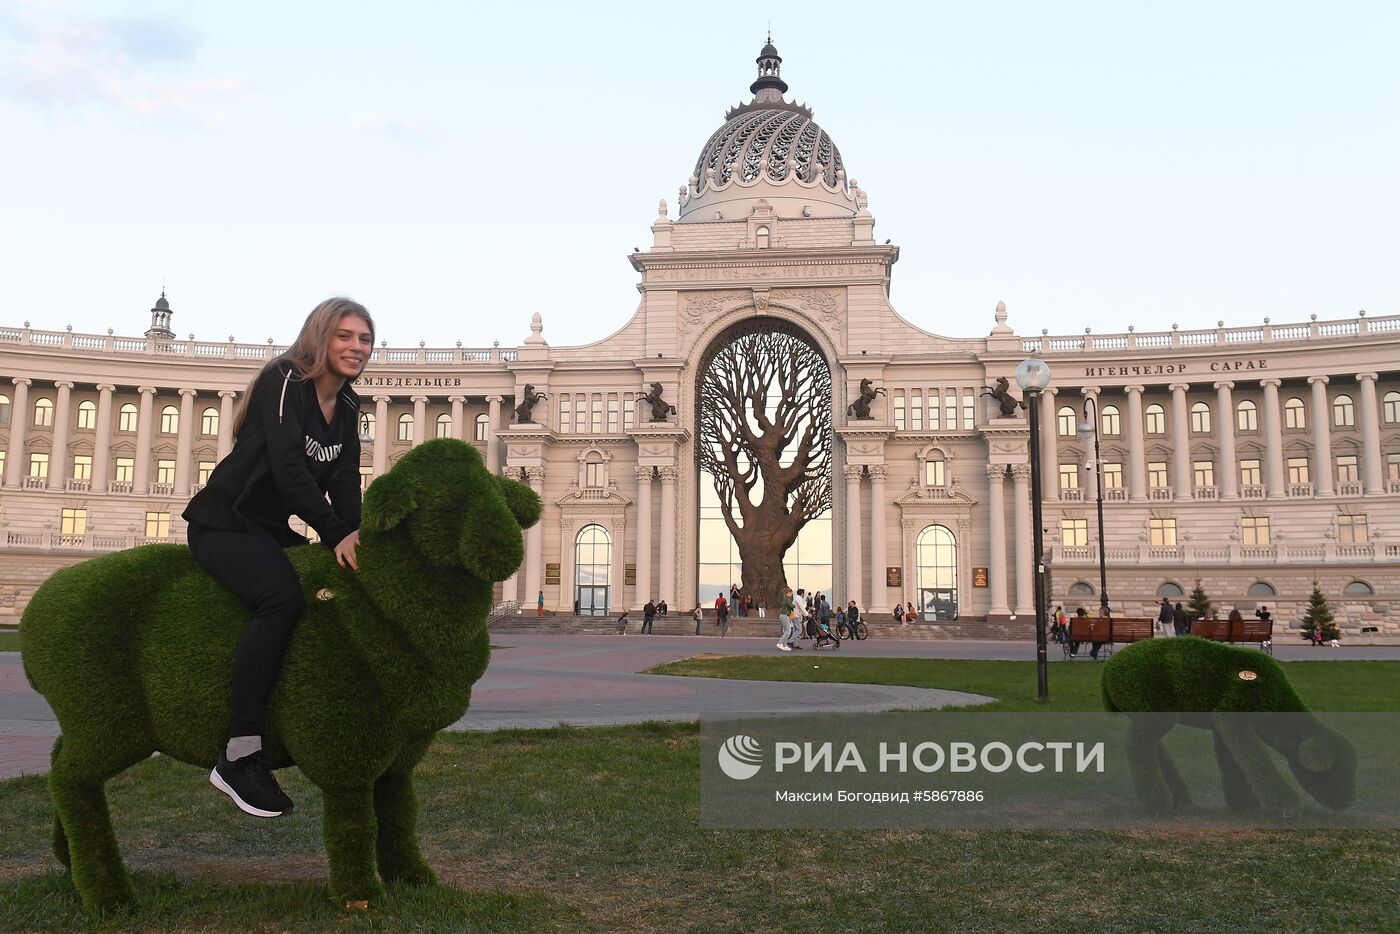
<point>826,635</point>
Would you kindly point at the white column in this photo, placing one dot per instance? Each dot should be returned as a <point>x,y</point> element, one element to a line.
<point>1050,444</point>
<point>1137,456</point>
<point>184,445</point>
<point>568,570</point>
<point>493,447</point>
<point>58,457</point>
<point>141,475</point>
<point>420,429</point>
<point>226,397</point>
<point>642,592</point>
<point>1181,443</point>
<point>1371,474</point>
<point>1273,440</point>
<point>20,417</point>
<point>878,591</point>
<point>383,431</point>
<point>668,534</point>
<point>1228,478</point>
<point>102,442</point>
<point>996,518</point>
<point>1322,437</point>
<point>1025,553</point>
<point>459,431</point>
<point>853,563</point>
<point>534,544</point>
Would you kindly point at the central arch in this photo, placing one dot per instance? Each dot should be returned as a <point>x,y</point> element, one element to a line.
<point>764,450</point>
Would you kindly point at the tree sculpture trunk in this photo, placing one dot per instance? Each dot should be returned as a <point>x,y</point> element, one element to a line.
<point>765,441</point>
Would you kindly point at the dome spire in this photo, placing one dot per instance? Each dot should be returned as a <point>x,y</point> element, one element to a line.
<point>770,87</point>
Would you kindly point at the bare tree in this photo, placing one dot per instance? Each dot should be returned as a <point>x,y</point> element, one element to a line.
<point>765,440</point>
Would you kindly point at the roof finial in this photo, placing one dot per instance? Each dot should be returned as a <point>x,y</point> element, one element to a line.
<point>770,87</point>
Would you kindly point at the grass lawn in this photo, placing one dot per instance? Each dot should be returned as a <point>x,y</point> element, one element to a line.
<point>596,829</point>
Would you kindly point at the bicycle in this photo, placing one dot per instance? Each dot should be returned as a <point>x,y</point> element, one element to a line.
<point>858,632</point>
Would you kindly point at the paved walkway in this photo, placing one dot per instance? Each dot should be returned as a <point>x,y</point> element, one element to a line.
<point>540,681</point>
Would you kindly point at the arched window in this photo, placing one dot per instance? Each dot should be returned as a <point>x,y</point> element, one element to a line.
<point>1261,589</point>
<point>592,569</point>
<point>367,426</point>
<point>935,470</point>
<point>1200,418</point>
<point>209,422</point>
<point>1110,422</point>
<point>936,552</point>
<point>1392,408</point>
<point>1247,416</point>
<point>1358,589</point>
<point>1156,418</point>
<point>126,418</point>
<point>169,420</point>
<point>1343,412</point>
<point>483,427</point>
<point>87,414</point>
<point>4,409</point>
<point>405,427</point>
<point>1170,589</point>
<point>763,237</point>
<point>1295,414</point>
<point>1081,589</point>
<point>43,413</point>
<point>444,425</point>
<point>1066,424</point>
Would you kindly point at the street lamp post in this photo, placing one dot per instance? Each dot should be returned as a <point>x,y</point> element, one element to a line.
<point>1033,376</point>
<point>1088,427</point>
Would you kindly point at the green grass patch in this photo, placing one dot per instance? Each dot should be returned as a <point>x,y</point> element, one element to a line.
<point>1333,686</point>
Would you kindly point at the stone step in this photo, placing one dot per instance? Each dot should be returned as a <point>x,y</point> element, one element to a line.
<point>752,626</point>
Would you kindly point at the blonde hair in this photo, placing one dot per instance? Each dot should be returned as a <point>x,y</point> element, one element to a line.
<point>309,354</point>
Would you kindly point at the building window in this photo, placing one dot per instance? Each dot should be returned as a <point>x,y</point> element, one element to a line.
<point>158,525</point>
<point>1203,473</point>
<point>916,410</point>
<point>1069,476</point>
<point>366,475</point>
<point>169,420</point>
<point>1200,418</point>
<point>1170,589</point>
<point>592,570</point>
<point>933,472</point>
<point>73,522</point>
<point>763,237</point>
<point>1352,530</point>
<point>444,425</point>
<point>2,463</point>
<point>899,410</point>
<point>1261,589</point>
<point>405,427</point>
<point>1156,418</point>
<point>82,466</point>
<point>936,552</point>
<point>1358,589</point>
<point>614,413</point>
<point>1298,470</point>
<point>1392,466</point>
<point>629,416</point>
<point>126,418</point>
<point>368,426</point>
<point>1249,473</point>
<point>1113,476</point>
<point>1295,414</point>
<point>593,474</point>
<point>1254,530</point>
<point>1065,423</point>
<point>969,412</point>
<point>566,416</point>
<point>1343,412</point>
<point>39,466</point>
<point>126,470</point>
<point>209,422</point>
<point>1247,416</point>
<point>934,410</point>
<point>1163,532</point>
<point>483,427</point>
<point>1392,408</point>
<point>580,414</point>
<point>950,409</point>
<point>1081,589</point>
<point>1110,422</point>
<point>43,413</point>
<point>165,471</point>
<point>202,474</point>
<point>597,420</point>
<point>87,414</point>
<point>1074,533</point>
<point>1157,474</point>
<point>5,409</point>
<point>1346,468</point>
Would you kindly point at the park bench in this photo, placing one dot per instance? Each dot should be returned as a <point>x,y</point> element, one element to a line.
<point>1257,631</point>
<point>1110,631</point>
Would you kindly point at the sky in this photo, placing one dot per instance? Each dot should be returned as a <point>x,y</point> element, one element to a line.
<point>458,167</point>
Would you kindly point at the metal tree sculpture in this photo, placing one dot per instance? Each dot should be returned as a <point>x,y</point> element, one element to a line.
<point>765,440</point>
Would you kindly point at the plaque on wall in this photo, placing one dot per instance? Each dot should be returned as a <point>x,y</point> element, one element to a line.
<point>629,574</point>
<point>979,577</point>
<point>894,577</point>
<point>551,573</point>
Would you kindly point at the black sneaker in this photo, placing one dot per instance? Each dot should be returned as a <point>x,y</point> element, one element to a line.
<point>249,782</point>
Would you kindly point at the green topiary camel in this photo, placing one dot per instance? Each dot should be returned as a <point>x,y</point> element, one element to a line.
<point>133,651</point>
<point>1202,682</point>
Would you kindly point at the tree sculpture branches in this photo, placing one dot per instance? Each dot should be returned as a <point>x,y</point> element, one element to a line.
<point>765,441</point>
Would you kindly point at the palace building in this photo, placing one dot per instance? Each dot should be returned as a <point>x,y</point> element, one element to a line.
<point>1258,460</point>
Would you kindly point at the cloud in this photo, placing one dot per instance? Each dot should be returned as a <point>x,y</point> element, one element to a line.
<point>404,129</point>
<point>133,64</point>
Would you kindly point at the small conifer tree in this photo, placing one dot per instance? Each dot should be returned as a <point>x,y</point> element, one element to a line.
<point>1200,603</point>
<point>1319,618</point>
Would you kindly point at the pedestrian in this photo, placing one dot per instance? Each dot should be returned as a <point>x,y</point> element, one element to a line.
<point>1181,621</point>
<point>1263,615</point>
<point>699,615</point>
<point>539,604</point>
<point>823,612</point>
<point>909,614</point>
<point>785,612</point>
<point>662,609</point>
<point>852,618</point>
<point>799,617</point>
<point>721,610</point>
<point>899,613</point>
<point>622,624</point>
<point>648,617</point>
<point>762,608</point>
<point>297,442</point>
<point>1057,625</point>
<point>1165,616</point>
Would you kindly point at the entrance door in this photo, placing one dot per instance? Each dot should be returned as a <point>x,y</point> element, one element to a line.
<point>938,605</point>
<point>592,600</point>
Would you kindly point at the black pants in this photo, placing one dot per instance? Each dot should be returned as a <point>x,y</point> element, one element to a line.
<point>646,623</point>
<point>256,569</point>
